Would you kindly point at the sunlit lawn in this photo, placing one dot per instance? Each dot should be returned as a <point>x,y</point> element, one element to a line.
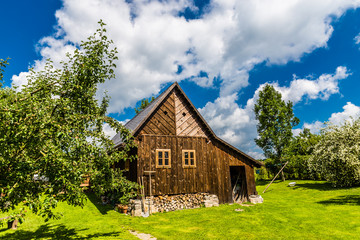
<point>310,210</point>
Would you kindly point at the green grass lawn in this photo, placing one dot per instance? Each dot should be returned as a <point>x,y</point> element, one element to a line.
<point>310,210</point>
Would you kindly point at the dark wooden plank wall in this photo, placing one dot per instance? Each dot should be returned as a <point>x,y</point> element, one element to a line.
<point>162,121</point>
<point>212,172</point>
<point>187,121</point>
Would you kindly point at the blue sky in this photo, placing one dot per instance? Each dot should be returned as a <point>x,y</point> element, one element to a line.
<point>226,50</point>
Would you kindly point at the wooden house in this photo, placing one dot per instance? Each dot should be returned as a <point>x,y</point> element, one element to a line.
<point>185,156</point>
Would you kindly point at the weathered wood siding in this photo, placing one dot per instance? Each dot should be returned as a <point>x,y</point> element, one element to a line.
<point>211,174</point>
<point>162,121</point>
<point>187,121</point>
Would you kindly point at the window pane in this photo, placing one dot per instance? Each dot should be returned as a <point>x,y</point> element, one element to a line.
<point>166,161</point>
<point>186,161</point>
<point>166,154</point>
<point>192,162</point>
<point>160,161</point>
<point>160,154</point>
<point>186,154</point>
<point>192,154</point>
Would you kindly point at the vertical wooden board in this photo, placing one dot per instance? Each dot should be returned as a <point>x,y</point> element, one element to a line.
<point>186,172</point>
<point>152,151</point>
<point>211,168</point>
<point>168,170</point>
<point>184,183</point>
<point>174,167</point>
<point>176,177</point>
<point>161,171</point>
<point>206,166</point>
<point>197,169</point>
<point>180,182</point>
<point>192,181</point>
<point>218,173</point>
<point>250,180</point>
<point>214,169</point>
<point>205,159</point>
<point>228,179</point>
<point>223,177</point>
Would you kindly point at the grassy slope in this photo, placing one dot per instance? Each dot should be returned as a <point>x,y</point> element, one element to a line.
<point>311,210</point>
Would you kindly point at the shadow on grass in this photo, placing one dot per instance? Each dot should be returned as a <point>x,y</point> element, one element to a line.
<point>54,232</point>
<point>321,186</point>
<point>343,200</point>
<point>103,209</point>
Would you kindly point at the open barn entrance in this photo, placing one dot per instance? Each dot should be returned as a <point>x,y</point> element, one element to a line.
<point>238,184</point>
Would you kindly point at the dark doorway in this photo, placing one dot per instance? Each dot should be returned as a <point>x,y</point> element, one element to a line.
<point>238,184</point>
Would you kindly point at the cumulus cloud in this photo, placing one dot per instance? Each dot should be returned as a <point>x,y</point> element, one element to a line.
<point>225,42</point>
<point>322,87</point>
<point>350,111</point>
<point>237,124</point>
<point>109,132</point>
<point>314,127</point>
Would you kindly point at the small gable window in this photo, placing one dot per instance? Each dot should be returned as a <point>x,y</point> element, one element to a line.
<point>163,158</point>
<point>189,158</point>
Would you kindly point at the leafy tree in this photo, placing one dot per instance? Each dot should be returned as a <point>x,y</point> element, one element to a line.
<point>276,119</point>
<point>337,155</point>
<point>51,135</point>
<point>298,153</point>
<point>144,103</point>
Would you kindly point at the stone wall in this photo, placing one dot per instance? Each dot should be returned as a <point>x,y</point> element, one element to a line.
<point>168,203</point>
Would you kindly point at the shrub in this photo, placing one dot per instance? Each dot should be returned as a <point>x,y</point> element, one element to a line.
<point>336,156</point>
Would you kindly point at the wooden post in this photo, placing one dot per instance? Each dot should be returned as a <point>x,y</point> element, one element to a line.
<point>143,192</point>
<point>276,176</point>
<point>150,173</point>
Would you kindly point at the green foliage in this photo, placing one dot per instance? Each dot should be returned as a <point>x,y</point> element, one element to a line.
<point>16,215</point>
<point>3,64</point>
<point>298,153</point>
<point>144,103</point>
<point>276,119</point>
<point>51,134</point>
<point>262,174</point>
<point>337,155</point>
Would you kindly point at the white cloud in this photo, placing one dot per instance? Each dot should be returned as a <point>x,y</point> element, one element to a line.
<point>350,110</point>
<point>338,118</point>
<point>227,41</point>
<point>237,124</point>
<point>314,127</point>
<point>109,132</point>
<point>357,39</point>
<point>322,87</point>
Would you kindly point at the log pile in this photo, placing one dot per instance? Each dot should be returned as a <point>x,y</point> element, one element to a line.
<point>168,203</point>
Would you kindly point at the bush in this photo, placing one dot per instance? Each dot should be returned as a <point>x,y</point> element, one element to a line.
<point>336,156</point>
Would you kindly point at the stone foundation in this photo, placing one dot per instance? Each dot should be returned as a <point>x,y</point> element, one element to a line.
<point>169,203</point>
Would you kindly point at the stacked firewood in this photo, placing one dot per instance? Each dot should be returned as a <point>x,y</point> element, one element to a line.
<point>168,203</point>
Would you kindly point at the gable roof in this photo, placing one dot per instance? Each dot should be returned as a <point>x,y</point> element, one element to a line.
<point>135,124</point>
